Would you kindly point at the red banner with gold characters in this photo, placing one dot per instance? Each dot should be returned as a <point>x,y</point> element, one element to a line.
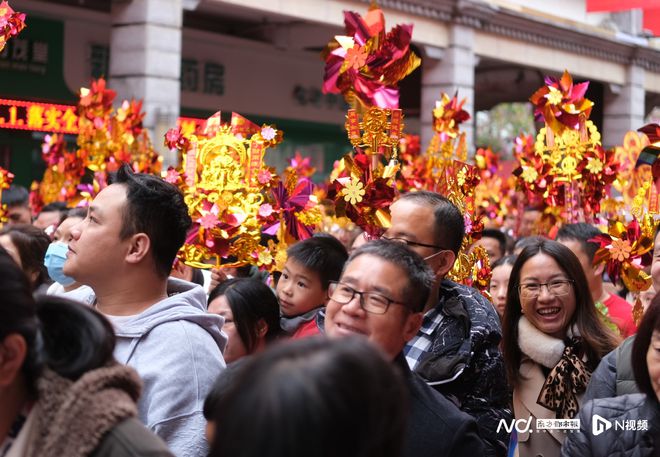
<point>54,118</point>
<point>42,117</point>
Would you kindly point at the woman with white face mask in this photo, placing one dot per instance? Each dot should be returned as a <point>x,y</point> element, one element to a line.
<point>55,258</point>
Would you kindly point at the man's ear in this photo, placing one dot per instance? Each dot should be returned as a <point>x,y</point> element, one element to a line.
<point>138,248</point>
<point>444,263</point>
<point>412,325</point>
<point>13,350</point>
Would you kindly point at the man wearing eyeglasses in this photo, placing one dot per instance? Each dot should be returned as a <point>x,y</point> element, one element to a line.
<point>381,296</point>
<point>456,349</point>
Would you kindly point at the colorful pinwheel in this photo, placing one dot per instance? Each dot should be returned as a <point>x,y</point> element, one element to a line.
<point>363,196</point>
<point>448,115</point>
<point>288,205</point>
<point>11,23</point>
<point>626,250</point>
<point>561,104</point>
<point>365,65</point>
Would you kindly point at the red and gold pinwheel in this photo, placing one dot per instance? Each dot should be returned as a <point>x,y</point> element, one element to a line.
<point>561,104</point>
<point>291,204</point>
<point>626,250</point>
<point>363,196</point>
<point>448,115</point>
<point>11,23</point>
<point>366,64</point>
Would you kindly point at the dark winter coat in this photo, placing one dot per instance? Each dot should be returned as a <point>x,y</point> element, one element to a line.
<point>466,347</point>
<point>614,442</point>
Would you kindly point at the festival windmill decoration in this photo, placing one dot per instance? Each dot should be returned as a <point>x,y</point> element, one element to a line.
<point>366,65</point>
<point>234,198</point>
<point>222,177</point>
<point>11,23</point>
<point>569,169</point>
<point>634,180</point>
<point>626,250</point>
<point>107,137</point>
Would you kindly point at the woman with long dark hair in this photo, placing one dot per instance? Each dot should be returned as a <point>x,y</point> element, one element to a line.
<point>61,391</point>
<point>552,340</point>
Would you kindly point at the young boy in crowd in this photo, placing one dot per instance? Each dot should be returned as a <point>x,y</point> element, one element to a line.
<point>302,290</point>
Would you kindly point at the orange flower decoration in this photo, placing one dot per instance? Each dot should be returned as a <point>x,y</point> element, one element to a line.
<point>626,250</point>
<point>356,57</point>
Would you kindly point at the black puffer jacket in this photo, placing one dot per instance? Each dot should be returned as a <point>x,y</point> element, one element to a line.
<point>466,347</point>
<point>611,441</point>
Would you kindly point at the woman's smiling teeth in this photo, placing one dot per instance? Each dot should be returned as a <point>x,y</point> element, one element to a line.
<point>548,311</point>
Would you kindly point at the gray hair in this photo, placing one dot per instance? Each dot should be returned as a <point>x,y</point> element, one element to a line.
<point>419,274</point>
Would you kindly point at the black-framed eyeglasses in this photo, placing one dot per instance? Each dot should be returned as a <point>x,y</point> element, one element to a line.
<point>371,302</point>
<point>558,288</point>
<point>411,243</point>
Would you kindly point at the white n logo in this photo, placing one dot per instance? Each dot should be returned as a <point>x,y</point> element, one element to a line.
<point>599,424</point>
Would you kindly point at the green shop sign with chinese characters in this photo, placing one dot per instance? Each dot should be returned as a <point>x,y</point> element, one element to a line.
<point>32,63</point>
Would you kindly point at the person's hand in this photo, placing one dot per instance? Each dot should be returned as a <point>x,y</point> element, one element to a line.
<point>182,271</point>
<point>218,276</point>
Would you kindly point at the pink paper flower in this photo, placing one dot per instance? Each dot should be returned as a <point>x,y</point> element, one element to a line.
<point>265,210</point>
<point>208,221</point>
<point>264,176</point>
<point>268,133</point>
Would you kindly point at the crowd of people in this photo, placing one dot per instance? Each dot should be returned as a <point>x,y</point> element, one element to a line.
<point>110,346</point>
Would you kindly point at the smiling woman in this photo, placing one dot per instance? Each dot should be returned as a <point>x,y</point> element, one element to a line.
<point>552,340</point>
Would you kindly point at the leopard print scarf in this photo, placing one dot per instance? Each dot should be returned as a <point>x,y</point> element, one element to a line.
<point>569,374</point>
<point>567,380</point>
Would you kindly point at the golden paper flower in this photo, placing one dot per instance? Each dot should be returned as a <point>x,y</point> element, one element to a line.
<point>595,166</point>
<point>354,191</point>
<point>529,174</point>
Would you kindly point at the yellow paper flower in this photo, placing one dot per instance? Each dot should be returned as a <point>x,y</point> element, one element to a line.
<point>529,174</point>
<point>265,257</point>
<point>554,96</point>
<point>354,191</point>
<point>595,166</point>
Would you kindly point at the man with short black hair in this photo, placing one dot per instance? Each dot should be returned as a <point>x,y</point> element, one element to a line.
<point>494,242</point>
<point>50,217</point>
<point>456,349</point>
<point>124,250</point>
<point>576,237</point>
<point>381,295</point>
<point>17,199</point>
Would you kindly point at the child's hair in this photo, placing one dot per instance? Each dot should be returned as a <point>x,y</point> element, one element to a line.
<point>506,260</point>
<point>324,254</point>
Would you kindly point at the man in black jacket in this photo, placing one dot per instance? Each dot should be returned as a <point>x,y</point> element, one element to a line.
<point>456,350</point>
<point>381,295</point>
